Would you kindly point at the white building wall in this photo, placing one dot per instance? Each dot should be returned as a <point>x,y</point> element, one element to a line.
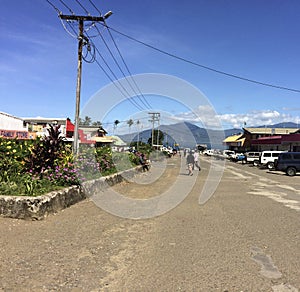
<point>8,122</point>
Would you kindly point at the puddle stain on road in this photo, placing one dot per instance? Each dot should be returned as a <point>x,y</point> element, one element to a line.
<point>269,270</point>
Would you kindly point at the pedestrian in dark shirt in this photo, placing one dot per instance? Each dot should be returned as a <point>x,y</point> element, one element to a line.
<point>143,162</point>
<point>190,160</point>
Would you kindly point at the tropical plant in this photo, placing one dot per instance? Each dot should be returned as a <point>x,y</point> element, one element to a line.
<point>116,123</point>
<point>130,123</point>
<point>47,151</point>
<point>86,122</point>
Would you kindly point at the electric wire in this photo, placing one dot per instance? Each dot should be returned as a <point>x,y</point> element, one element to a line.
<point>90,50</point>
<point>64,4</point>
<point>65,28</point>
<point>92,3</point>
<point>178,57</point>
<point>54,7</point>
<point>121,70</point>
<point>118,50</point>
<point>114,83</point>
<point>203,66</point>
<point>84,9</point>
<point>127,95</point>
<point>93,57</point>
<point>143,100</point>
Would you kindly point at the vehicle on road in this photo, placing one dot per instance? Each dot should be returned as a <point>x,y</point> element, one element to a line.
<point>208,152</point>
<point>268,158</point>
<point>253,157</point>
<point>228,153</point>
<point>289,162</point>
<point>238,157</point>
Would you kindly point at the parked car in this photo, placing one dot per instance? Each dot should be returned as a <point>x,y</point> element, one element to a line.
<point>238,157</point>
<point>253,157</point>
<point>268,158</point>
<point>208,152</point>
<point>289,162</point>
<point>228,153</point>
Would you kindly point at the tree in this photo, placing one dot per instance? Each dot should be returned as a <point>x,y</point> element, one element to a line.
<point>86,122</point>
<point>98,123</point>
<point>159,134</point>
<point>130,123</point>
<point>138,137</point>
<point>116,123</point>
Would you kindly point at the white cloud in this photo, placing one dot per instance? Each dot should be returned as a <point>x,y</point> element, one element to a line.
<point>257,118</point>
<point>204,114</point>
<point>207,116</point>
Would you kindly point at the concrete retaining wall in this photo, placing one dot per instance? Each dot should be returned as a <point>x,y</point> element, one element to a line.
<point>37,208</point>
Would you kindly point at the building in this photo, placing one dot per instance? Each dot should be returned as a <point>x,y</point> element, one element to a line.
<point>32,127</point>
<point>12,127</point>
<point>235,142</point>
<point>289,142</point>
<point>37,127</point>
<point>260,139</point>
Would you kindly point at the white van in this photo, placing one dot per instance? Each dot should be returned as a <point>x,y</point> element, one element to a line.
<point>253,157</point>
<point>268,158</point>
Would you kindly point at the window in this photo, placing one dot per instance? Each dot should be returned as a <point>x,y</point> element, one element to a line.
<point>297,156</point>
<point>286,156</point>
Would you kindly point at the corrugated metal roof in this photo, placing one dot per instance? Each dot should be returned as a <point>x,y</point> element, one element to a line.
<point>233,138</point>
<point>271,131</point>
<point>104,139</point>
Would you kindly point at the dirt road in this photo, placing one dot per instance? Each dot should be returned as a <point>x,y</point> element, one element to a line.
<point>242,239</point>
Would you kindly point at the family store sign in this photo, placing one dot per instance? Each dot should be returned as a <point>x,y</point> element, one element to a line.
<point>11,134</point>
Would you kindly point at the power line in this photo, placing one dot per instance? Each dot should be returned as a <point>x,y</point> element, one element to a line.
<point>147,104</point>
<point>85,10</point>
<point>54,7</point>
<point>92,3</point>
<point>64,4</point>
<point>92,49</point>
<point>144,101</point>
<point>118,65</point>
<point>132,101</point>
<point>202,66</point>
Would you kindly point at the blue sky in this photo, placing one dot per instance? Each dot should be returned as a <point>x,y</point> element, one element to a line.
<point>258,40</point>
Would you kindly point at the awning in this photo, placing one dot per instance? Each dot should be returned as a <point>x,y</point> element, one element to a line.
<point>233,138</point>
<point>272,140</point>
<point>102,139</point>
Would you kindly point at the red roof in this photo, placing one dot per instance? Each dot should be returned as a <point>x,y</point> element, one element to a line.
<point>277,139</point>
<point>291,138</point>
<point>69,126</point>
<point>267,140</point>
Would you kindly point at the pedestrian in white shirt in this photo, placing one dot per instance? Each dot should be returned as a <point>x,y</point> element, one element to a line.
<point>196,159</point>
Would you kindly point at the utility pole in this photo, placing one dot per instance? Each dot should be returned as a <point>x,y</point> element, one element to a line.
<point>82,40</point>
<point>154,118</point>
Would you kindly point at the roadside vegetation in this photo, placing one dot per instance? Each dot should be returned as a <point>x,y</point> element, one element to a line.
<point>35,167</point>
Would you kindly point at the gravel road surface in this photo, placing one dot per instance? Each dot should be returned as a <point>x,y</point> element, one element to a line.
<point>245,238</point>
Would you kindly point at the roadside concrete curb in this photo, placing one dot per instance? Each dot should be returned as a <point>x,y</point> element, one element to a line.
<point>37,208</point>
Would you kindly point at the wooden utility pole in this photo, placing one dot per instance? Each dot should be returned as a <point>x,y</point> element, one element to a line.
<point>154,118</point>
<point>81,42</point>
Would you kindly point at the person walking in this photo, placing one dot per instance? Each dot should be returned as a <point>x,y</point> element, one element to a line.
<point>190,162</point>
<point>196,160</point>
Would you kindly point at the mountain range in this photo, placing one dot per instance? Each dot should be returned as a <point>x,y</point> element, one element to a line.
<point>188,135</point>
